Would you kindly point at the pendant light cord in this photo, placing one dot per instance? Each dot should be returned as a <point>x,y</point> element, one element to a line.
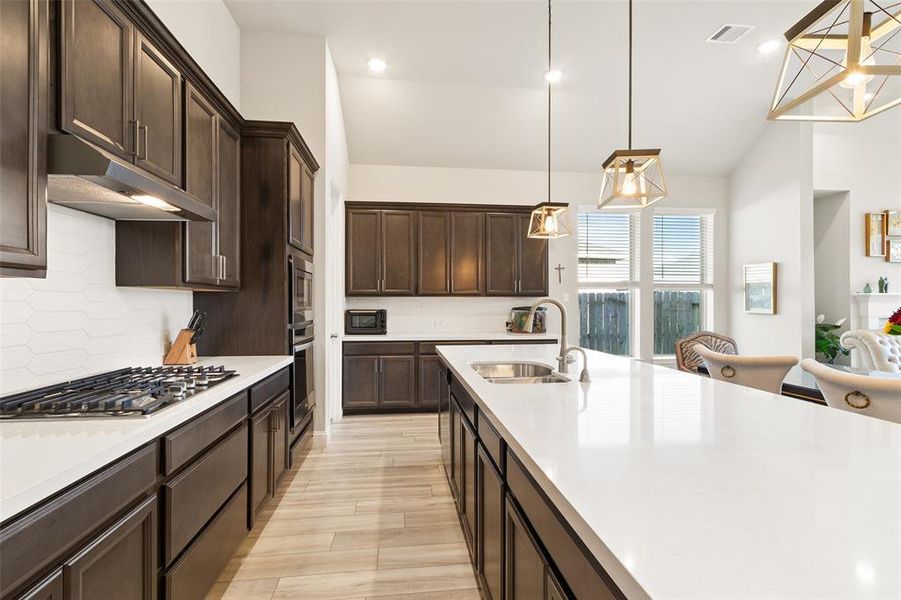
<point>630,74</point>
<point>549,84</point>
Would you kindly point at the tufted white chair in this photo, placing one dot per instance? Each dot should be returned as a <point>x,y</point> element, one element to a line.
<point>878,350</point>
<point>760,372</point>
<point>878,397</point>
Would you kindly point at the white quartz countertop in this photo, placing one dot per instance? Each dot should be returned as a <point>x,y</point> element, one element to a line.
<point>491,336</point>
<point>686,487</point>
<point>41,457</point>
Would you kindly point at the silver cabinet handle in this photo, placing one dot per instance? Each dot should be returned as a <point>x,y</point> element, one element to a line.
<point>135,128</point>
<point>224,260</point>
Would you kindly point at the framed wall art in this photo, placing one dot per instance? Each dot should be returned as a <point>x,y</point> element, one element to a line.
<point>893,223</point>
<point>760,288</point>
<point>875,233</point>
<point>893,250</point>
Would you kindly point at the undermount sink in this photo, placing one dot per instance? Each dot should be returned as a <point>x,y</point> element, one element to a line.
<point>518,372</point>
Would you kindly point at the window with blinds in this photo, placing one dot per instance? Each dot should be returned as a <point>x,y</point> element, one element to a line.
<point>608,248</point>
<point>683,249</point>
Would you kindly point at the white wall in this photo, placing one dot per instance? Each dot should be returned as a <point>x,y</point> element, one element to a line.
<point>76,322</point>
<point>388,183</point>
<point>210,35</point>
<point>832,264</point>
<point>862,159</point>
<point>771,214</point>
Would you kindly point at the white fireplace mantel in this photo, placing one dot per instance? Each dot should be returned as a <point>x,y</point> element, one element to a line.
<point>871,311</point>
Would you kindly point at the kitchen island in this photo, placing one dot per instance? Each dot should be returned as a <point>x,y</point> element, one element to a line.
<point>671,485</point>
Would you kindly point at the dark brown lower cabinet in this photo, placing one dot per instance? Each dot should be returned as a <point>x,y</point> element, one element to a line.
<point>279,426</point>
<point>470,489</point>
<point>432,382</point>
<point>524,564</point>
<point>49,589</point>
<point>268,452</point>
<point>379,381</point>
<point>456,446</point>
<point>361,382</point>
<point>490,528</point>
<point>397,377</point>
<point>119,563</point>
<point>552,588</point>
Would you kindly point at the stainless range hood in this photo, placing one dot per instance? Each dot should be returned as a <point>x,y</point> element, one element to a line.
<point>87,178</point>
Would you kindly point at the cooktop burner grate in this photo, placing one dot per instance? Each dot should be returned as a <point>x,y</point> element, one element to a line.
<point>132,391</point>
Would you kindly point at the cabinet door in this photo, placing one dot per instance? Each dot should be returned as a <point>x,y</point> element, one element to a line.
<point>279,425</point>
<point>431,382</point>
<point>524,564</point>
<point>201,129</point>
<point>531,261</point>
<point>490,536</point>
<point>456,447</point>
<point>501,254</point>
<point>470,490</point>
<point>24,56</point>
<point>444,433</point>
<point>260,462</point>
<point>157,112</point>
<point>361,382</point>
<point>120,563</point>
<point>553,590</point>
<point>50,589</point>
<point>307,202</point>
<point>229,192</point>
<point>398,252</point>
<point>96,73</point>
<point>295,198</point>
<point>434,253</point>
<point>363,253</point>
<point>467,251</point>
<point>398,381</point>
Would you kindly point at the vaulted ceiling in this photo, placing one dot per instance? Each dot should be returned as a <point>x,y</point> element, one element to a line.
<point>464,83</point>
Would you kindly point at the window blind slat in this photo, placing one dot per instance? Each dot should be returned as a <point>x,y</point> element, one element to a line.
<point>683,249</point>
<point>607,248</point>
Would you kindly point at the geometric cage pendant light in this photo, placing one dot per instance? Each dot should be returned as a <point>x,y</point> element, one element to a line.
<point>843,63</point>
<point>549,220</point>
<point>632,178</point>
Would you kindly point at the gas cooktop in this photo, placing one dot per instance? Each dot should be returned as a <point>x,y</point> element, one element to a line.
<point>132,391</point>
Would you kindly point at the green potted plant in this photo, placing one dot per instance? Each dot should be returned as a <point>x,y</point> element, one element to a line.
<point>828,343</point>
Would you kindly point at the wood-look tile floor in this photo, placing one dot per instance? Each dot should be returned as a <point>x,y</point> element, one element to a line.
<point>368,516</point>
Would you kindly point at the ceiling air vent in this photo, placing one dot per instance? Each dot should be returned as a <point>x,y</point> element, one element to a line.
<point>730,34</point>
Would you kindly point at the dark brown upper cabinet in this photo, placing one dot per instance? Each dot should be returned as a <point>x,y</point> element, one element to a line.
<point>442,250</point>
<point>398,252</point>
<point>24,56</point>
<point>381,252</point>
<point>516,265</point>
<point>300,203</point>
<point>157,112</point>
<point>201,129</point>
<point>467,253</point>
<point>97,74</point>
<point>229,196</point>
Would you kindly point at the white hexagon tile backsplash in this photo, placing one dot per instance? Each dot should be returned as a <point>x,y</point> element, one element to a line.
<point>76,322</point>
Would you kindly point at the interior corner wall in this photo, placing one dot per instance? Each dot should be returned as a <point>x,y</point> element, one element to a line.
<point>832,264</point>
<point>210,35</point>
<point>771,220</point>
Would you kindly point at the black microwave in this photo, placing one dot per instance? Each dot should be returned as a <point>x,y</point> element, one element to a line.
<point>366,322</point>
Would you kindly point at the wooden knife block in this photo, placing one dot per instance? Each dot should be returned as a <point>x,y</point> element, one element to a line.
<point>182,352</point>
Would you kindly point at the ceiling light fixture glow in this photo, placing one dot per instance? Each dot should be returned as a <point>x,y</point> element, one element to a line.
<point>553,76</point>
<point>770,46</point>
<point>377,65</point>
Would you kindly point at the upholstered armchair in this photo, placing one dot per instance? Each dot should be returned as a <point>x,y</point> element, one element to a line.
<point>878,397</point>
<point>878,351</point>
<point>761,372</point>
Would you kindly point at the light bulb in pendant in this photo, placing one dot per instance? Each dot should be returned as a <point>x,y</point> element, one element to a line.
<point>867,59</point>
<point>550,224</point>
<point>630,185</point>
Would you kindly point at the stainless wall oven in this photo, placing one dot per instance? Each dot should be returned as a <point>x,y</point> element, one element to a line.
<point>300,322</point>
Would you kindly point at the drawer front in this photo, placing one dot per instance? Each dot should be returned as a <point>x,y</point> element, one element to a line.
<point>465,400</point>
<point>376,348</point>
<point>199,568</point>
<point>268,389</point>
<point>429,347</point>
<point>492,442</point>
<point>33,542</point>
<point>579,569</point>
<point>198,492</point>
<point>186,442</point>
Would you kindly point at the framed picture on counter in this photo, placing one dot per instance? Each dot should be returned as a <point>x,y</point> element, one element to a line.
<point>875,233</point>
<point>760,288</point>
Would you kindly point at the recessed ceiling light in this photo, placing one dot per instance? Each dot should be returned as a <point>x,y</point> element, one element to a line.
<point>377,65</point>
<point>553,76</point>
<point>769,46</point>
